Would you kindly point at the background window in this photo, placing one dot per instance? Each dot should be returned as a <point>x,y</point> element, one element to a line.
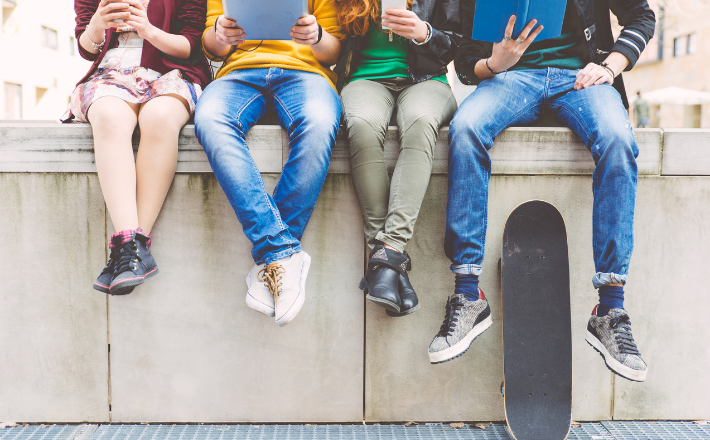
<point>692,43</point>
<point>50,38</point>
<point>680,46</point>
<point>13,101</point>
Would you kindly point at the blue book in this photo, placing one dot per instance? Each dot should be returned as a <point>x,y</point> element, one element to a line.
<point>491,18</point>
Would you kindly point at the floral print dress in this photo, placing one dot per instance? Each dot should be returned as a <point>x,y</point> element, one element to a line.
<point>120,75</point>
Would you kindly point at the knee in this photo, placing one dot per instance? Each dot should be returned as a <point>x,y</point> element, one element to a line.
<point>468,137</point>
<point>616,144</point>
<point>317,126</point>
<point>159,123</point>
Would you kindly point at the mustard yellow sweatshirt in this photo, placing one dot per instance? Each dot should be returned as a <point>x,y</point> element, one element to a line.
<point>283,54</point>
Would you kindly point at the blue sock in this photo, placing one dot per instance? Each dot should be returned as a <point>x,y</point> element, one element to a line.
<point>610,297</point>
<point>467,285</point>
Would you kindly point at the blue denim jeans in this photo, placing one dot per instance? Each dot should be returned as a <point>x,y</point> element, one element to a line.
<point>598,117</point>
<point>309,109</point>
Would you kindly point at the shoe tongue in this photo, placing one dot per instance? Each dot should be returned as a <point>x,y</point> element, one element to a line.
<point>458,298</point>
<point>617,313</point>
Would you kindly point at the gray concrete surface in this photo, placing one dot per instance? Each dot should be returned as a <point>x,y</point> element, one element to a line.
<point>185,347</point>
<point>53,354</point>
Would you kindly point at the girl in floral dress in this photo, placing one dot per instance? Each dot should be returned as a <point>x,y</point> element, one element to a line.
<point>149,71</point>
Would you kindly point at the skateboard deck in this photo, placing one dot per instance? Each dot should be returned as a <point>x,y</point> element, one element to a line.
<point>537,332</point>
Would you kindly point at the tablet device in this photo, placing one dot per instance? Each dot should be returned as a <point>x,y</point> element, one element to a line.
<point>265,19</point>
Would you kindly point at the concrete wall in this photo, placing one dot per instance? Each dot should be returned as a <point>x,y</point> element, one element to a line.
<point>185,348</point>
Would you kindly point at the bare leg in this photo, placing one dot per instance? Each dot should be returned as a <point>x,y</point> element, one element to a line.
<point>113,121</point>
<point>160,120</point>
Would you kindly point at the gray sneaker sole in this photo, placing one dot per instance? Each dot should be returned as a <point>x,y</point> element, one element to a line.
<point>461,347</point>
<point>612,364</point>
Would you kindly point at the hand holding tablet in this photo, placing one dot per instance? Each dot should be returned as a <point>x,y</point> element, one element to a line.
<point>227,31</point>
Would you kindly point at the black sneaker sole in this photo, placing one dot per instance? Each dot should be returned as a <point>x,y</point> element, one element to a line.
<point>127,287</point>
<point>405,313</point>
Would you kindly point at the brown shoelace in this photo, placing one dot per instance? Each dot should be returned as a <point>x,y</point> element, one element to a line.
<point>271,276</point>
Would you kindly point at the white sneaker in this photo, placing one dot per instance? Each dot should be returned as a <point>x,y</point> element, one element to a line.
<point>289,285</point>
<point>259,296</point>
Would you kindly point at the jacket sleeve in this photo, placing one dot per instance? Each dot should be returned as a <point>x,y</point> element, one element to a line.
<point>446,32</point>
<point>470,51</point>
<point>84,9</point>
<point>191,24</point>
<point>638,22</point>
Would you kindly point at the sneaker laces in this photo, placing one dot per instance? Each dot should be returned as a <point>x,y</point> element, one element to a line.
<point>622,334</point>
<point>453,305</point>
<point>126,253</point>
<point>111,261</point>
<point>271,276</point>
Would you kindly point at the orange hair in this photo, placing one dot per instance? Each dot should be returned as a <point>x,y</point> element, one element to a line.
<point>356,16</point>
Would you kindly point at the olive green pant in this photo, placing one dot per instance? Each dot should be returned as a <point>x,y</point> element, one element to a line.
<point>390,209</point>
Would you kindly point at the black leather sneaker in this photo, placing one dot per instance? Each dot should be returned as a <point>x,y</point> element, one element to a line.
<point>134,264</point>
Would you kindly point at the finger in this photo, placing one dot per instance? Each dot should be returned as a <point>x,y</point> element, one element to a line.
<point>309,36</point>
<point>226,22</point>
<point>301,31</point>
<point>583,72</point>
<point>135,3</point>
<point>231,33</point>
<point>601,81</point>
<point>510,26</point>
<point>116,6</point>
<point>534,35</point>
<point>398,19</point>
<point>307,20</point>
<point>399,28</point>
<point>526,30</point>
<point>137,12</point>
<point>591,80</point>
<point>103,3</point>
<point>117,16</point>
<point>399,12</point>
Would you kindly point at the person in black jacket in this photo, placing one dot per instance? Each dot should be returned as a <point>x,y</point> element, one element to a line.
<point>394,58</point>
<point>575,78</point>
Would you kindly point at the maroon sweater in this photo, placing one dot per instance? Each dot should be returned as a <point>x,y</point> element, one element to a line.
<point>180,17</point>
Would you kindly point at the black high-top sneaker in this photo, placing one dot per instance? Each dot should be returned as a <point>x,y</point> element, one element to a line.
<point>103,281</point>
<point>134,264</point>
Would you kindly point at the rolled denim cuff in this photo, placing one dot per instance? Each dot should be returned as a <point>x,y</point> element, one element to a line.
<point>274,256</point>
<point>466,269</point>
<point>602,279</point>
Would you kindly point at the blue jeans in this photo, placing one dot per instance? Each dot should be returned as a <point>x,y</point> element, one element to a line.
<point>598,117</point>
<point>309,109</point>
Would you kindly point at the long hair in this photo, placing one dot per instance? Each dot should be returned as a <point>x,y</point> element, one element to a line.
<point>356,16</point>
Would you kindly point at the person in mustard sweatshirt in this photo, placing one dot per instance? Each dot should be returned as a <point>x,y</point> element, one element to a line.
<point>294,79</point>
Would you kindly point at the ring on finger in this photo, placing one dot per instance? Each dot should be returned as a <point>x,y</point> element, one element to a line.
<point>507,38</point>
<point>520,41</point>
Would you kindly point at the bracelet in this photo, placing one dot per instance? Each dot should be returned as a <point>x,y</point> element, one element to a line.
<point>608,69</point>
<point>320,34</point>
<point>429,32</point>
<point>96,46</point>
<point>493,71</point>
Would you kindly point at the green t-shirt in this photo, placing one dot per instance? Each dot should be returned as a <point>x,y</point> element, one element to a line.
<point>382,58</point>
<point>568,51</point>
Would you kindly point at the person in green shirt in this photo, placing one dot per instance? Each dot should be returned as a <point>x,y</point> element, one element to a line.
<point>394,60</point>
<point>641,114</point>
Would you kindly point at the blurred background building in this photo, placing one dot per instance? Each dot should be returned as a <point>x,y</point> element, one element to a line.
<point>673,73</point>
<point>39,60</point>
<point>40,65</point>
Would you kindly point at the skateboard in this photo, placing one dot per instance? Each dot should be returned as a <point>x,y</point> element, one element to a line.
<point>537,332</point>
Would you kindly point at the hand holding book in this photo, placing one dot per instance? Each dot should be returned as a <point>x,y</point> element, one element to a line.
<point>507,52</point>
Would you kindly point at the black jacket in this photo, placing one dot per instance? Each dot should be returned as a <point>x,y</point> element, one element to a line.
<point>428,60</point>
<point>637,19</point>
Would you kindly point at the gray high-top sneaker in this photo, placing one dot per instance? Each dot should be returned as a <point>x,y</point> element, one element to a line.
<point>465,320</point>
<point>611,336</point>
